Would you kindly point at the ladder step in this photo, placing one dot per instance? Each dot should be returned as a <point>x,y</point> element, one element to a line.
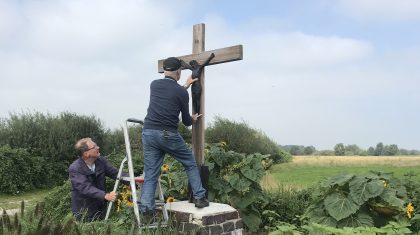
<point>138,180</point>
<point>154,225</point>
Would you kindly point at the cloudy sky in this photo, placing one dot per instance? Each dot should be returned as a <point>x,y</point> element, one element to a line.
<point>315,72</point>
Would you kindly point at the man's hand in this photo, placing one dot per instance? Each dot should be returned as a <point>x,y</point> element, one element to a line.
<point>189,81</point>
<point>111,196</point>
<point>196,116</point>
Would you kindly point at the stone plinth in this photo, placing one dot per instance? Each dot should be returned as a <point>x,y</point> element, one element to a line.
<point>215,219</point>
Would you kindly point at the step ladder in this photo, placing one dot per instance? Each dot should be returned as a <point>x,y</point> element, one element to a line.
<point>137,182</point>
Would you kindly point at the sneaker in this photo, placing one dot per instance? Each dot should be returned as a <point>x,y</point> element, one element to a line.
<point>200,203</point>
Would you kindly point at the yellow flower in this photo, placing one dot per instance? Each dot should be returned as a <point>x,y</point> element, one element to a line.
<point>130,204</point>
<point>410,210</point>
<point>170,200</point>
<point>165,168</point>
<point>118,204</point>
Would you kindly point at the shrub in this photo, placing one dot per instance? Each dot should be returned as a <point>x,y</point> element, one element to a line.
<point>51,138</point>
<point>19,170</point>
<point>235,180</point>
<point>286,205</point>
<point>241,138</point>
<point>347,200</point>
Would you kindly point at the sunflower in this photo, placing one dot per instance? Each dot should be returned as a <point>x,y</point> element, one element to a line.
<point>170,200</point>
<point>165,168</point>
<point>410,210</point>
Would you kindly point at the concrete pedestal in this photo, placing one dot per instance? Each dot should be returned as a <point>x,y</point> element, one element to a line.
<point>214,219</point>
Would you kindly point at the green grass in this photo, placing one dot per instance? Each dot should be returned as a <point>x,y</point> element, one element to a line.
<point>31,198</point>
<point>303,173</point>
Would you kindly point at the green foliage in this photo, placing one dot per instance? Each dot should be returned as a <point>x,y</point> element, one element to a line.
<point>58,201</point>
<point>19,170</point>
<point>325,153</point>
<point>36,221</point>
<point>347,200</point>
<point>174,181</point>
<point>285,205</point>
<point>379,149</point>
<point>51,138</point>
<point>321,229</point>
<point>413,193</point>
<point>339,149</point>
<point>241,138</point>
<point>185,132</point>
<point>235,180</point>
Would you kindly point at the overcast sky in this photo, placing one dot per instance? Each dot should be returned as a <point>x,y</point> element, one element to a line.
<point>315,72</point>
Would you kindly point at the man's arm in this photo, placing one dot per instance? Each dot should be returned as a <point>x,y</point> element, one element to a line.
<point>84,186</point>
<point>189,81</point>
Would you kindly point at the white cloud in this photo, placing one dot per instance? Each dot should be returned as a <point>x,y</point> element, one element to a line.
<point>298,50</point>
<point>99,57</point>
<point>381,10</point>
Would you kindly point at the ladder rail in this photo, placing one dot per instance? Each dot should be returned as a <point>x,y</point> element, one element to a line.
<point>131,171</point>
<point>108,211</point>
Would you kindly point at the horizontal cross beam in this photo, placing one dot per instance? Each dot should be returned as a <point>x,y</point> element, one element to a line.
<point>222,55</point>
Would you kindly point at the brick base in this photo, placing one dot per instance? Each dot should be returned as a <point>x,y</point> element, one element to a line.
<point>215,219</point>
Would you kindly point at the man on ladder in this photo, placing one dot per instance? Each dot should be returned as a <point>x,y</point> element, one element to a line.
<point>160,135</point>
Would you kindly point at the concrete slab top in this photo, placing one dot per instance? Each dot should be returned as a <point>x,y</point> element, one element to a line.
<point>186,207</point>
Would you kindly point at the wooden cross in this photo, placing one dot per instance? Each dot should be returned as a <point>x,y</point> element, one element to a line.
<point>222,55</point>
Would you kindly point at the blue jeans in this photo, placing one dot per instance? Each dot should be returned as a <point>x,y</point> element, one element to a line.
<point>156,144</point>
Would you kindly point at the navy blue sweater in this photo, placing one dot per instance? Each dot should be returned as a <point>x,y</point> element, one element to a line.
<point>167,100</point>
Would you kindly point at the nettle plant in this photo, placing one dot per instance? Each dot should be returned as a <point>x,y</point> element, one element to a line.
<point>349,200</point>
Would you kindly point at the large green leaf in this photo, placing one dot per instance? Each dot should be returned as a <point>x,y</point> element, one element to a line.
<point>363,189</point>
<point>340,206</point>
<point>237,182</point>
<point>389,196</point>
<point>220,185</point>
<point>253,172</point>
<point>339,180</point>
<point>319,216</point>
<point>241,202</point>
<point>360,219</point>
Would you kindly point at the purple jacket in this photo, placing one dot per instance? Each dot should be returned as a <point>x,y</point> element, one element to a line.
<point>88,188</point>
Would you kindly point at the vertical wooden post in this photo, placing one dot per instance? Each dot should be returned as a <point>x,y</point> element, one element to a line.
<point>198,127</point>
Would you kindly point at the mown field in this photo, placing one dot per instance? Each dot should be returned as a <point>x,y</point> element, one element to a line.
<point>305,171</point>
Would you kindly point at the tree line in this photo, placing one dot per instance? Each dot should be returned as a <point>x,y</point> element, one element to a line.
<point>350,150</point>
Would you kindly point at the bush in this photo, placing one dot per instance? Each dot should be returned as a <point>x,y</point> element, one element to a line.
<point>241,138</point>
<point>19,170</point>
<point>235,180</point>
<point>51,138</point>
<point>286,205</point>
<point>348,200</point>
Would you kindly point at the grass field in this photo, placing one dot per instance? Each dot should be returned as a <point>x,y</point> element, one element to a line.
<point>31,198</point>
<point>302,172</point>
<point>305,171</point>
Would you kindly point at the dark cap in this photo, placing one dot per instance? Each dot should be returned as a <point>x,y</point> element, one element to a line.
<point>171,64</point>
